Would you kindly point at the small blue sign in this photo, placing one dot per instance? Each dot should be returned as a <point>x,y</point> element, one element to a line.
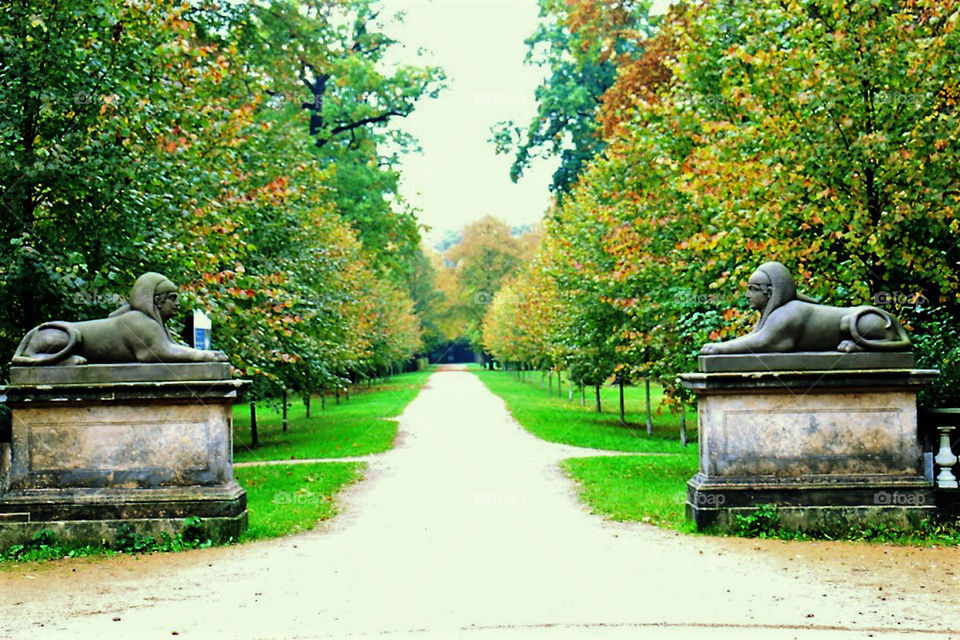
<point>201,338</point>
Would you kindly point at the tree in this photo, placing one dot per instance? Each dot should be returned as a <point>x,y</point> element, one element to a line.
<point>162,130</point>
<point>82,186</point>
<point>328,58</point>
<point>486,255</point>
<point>818,134</point>
<point>581,43</point>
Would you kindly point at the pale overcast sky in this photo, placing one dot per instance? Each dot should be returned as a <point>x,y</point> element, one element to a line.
<point>458,178</point>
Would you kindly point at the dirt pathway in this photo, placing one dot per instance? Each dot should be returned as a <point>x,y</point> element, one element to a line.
<point>468,529</point>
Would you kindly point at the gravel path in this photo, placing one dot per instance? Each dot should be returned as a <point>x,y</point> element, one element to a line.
<point>468,529</point>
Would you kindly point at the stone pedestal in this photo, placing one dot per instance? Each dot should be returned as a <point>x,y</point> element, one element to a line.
<point>143,444</point>
<point>832,448</point>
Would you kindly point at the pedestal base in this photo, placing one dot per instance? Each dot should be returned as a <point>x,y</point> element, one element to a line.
<point>90,516</point>
<point>831,449</point>
<point>824,507</point>
<point>87,458</point>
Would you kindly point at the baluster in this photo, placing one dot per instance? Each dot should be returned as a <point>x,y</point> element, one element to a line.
<point>946,460</point>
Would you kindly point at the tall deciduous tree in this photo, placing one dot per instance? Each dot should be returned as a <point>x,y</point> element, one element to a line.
<point>580,43</point>
<point>156,136</point>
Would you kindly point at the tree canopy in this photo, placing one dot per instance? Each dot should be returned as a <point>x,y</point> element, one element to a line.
<point>821,134</point>
<point>242,149</point>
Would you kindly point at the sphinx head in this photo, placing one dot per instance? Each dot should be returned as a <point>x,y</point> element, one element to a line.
<point>154,295</point>
<point>759,290</point>
<point>166,299</point>
<point>770,287</point>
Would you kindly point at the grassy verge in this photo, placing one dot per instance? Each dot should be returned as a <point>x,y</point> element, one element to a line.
<point>558,419</point>
<point>636,488</point>
<point>289,498</point>
<point>360,426</point>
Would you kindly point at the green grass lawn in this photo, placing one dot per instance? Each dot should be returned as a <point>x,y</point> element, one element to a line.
<point>289,498</point>
<point>362,426</point>
<point>558,419</point>
<point>636,488</point>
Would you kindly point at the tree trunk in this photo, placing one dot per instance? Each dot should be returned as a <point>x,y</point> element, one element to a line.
<point>254,438</point>
<point>597,387</point>
<point>623,417</point>
<point>683,423</point>
<point>306,404</point>
<point>284,400</point>
<point>649,417</point>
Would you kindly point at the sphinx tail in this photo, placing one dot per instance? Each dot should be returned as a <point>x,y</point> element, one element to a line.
<point>22,358</point>
<point>899,342</point>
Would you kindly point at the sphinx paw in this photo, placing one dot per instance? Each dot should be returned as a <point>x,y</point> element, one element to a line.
<point>848,346</point>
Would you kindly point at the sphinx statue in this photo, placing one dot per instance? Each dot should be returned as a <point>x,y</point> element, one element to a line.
<point>792,322</point>
<point>134,333</point>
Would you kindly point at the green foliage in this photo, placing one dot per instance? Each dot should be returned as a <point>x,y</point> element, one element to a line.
<point>581,59</point>
<point>819,134</point>
<point>762,522</point>
<point>328,59</point>
<point>936,343</point>
<point>242,149</point>
<point>192,535</point>
<point>79,130</point>
<point>128,540</point>
<point>45,546</point>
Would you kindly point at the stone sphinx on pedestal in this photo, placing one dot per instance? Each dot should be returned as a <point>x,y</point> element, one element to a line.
<point>115,422</point>
<point>813,411</point>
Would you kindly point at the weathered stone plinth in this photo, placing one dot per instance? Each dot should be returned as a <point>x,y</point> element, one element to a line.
<point>144,444</point>
<point>831,448</point>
